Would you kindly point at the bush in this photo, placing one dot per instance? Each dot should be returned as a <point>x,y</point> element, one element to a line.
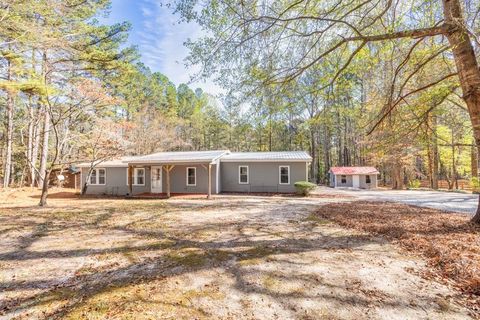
<point>414,184</point>
<point>304,187</point>
<point>475,184</point>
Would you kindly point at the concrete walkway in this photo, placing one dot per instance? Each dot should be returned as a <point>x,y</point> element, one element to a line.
<point>449,201</point>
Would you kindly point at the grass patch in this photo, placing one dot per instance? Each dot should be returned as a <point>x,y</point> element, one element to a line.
<point>271,283</point>
<point>314,218</point>
<point>250,262</point>
<point>141,301</point>
<point>189,258</point>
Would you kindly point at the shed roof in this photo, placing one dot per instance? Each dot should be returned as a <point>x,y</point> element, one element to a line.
<point>179,157</point>
<point>353,170</point>
<point>298,156</point>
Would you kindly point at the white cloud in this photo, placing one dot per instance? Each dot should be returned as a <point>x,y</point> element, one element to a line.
<point>161,42</point>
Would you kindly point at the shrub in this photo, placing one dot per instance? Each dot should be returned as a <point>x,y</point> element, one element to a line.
<point>304,187</point>
<point>475,183</point>
<point>414,184</point>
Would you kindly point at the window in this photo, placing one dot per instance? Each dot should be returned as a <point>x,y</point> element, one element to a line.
<point>367,179</point>
<point>284,174</point>
<point>344,179</point>
<point>98,177</point>
<point>243,174</point>
<point>191,176</point>
<point>139,176</point>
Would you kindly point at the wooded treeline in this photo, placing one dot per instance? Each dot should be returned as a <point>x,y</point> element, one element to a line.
<point>72,91</point>
<point>395,84</point>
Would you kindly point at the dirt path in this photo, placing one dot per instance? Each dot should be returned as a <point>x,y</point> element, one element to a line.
<point>230,258</point>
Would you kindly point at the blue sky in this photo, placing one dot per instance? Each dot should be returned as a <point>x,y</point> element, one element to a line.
<point>160,38</point>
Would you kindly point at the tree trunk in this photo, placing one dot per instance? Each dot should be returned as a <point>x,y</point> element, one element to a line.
<point>327,158</point>
<point>30,142</point>
<point>35,147</point>
<point>313,150</point>
<point>397,177</point>
<point>476,218</point>
<point>474,161</point>
<point>434,153</point>
<point>7,169</point>
<point>9,141</point>
<point>430,162</point>
<point>43,197</point>
<point>44,155</point>
<point>467,67</point>
<point>454,165</point>
<point>84,188</point>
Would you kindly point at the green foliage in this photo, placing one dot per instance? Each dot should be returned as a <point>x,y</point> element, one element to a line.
<point>475,184</point>
<point>414,184</point>
<point>304,187</point>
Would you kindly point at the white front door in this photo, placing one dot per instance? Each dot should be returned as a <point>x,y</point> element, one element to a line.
<point>156,179</point>
<point>356,181</point>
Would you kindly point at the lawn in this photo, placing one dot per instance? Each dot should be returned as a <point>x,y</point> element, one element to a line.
<point>229,258</point>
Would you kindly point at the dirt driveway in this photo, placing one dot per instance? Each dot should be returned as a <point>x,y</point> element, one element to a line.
<point>228,258</point>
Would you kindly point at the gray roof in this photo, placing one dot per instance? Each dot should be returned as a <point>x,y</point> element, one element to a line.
<point>298,156</point>
<point>121,162</point>
<point>180,157</point>
<point>205,157</point>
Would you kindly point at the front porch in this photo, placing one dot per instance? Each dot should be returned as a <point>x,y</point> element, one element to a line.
<point>162,181</point>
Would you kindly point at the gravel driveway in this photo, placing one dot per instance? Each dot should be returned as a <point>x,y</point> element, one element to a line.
<point>448,201</point>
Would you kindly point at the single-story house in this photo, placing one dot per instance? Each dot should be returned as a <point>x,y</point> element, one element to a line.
<point>203,172</point>
<point>354,177</point>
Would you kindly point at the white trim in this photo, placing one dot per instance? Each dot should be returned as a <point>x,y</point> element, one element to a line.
<point>186,175</point>
<point>135,176</point>
<point>218,157</point>
<point>280,174</point>
<point>152,175</point>
<point>306,171</point>
<point>356,181</point>
<point>217,178</point>
<point>97,177</point>
<point>239,173</point>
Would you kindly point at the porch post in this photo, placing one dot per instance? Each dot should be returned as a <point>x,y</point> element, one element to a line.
<point>168,180</point>
<point>209,192</point>
<point>130,180</point>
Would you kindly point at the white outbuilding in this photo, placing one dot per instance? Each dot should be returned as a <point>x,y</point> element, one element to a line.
<point>353,177</point>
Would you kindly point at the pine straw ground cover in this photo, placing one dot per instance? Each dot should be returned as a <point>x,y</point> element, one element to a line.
<point>448,241</point>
